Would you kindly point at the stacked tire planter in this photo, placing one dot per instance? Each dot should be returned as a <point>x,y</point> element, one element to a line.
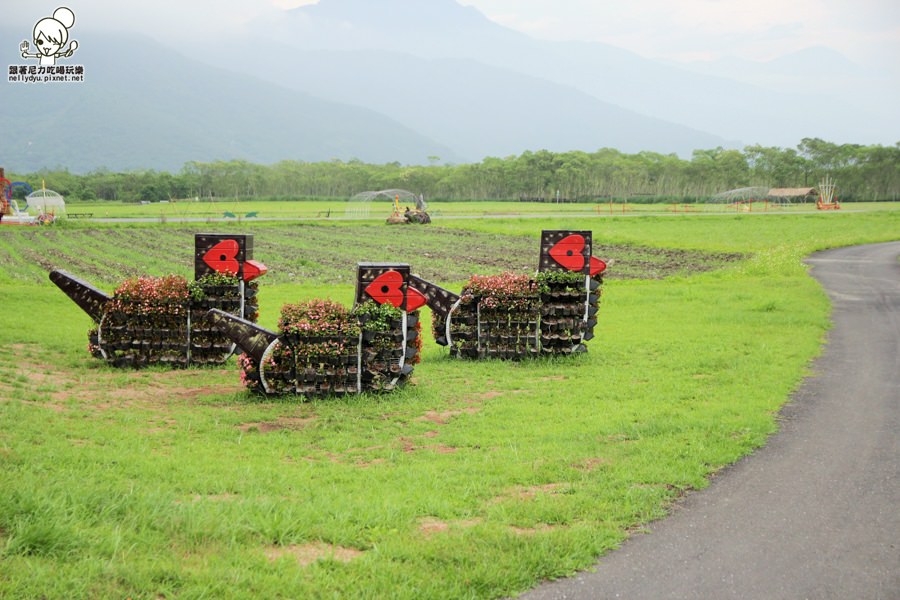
<point>359,360</point>
<point>384,348</point>
<point>557,319</point>
<point>567,305</point>
<point>161,320</point>
<point>504,326</point>
<point>297,366</point>
<point>146,322</point>
<point>321,348</point>
<point>512,316</point>
<point>207,344</point>
<point>315,353</point>
<point>137,332</point>
<point>159,338</point>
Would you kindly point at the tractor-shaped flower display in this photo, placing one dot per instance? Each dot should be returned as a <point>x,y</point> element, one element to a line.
<point>514,316</point>
<point>161,320</point>
<point>322,348</point>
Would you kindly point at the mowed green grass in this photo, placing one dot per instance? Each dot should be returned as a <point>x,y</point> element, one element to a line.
<point>479,480</point>
<point>379,210</point>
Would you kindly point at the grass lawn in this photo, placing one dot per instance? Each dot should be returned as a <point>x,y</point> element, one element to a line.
<point>479,480</point>
<point>378,211</point>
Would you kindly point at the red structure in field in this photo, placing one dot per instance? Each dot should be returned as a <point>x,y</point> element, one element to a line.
<point>514,316</point>
<point>5,186</point>
<point>160,320</point>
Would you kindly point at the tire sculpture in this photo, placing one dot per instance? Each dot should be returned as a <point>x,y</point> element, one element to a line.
<point>514,316</point>
<point>161,320</point>
<point>324,349</point>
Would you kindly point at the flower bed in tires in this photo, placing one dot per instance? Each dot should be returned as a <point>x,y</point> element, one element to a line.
<point>323,348</point>
<point>159,320</point>
<point>497,316</point>
<point>567,308</point>
<point>514,316</point>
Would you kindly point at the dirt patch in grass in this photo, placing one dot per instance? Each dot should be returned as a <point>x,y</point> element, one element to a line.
<point>529,492</point>
<point>429,526</point>
<point>20,360</point>
<point>51,406</point>
<point>71,389</point>
<point>445,416</point>
<point>539,528</point>
<point>163,425</point>
<point>226,497</point>
<point>44,376</point>
<point>181,375</point>
<point>138,391</point>
<point>408,445</point>
<point>307,554</point>
<point>40,371</point>
<point>469,405</point>
<point>104,392</point>
<point>291,423</point>
<point>526,493</point>
<point>589,465</point>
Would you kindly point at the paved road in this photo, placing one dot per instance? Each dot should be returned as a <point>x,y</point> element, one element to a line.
<point>816,512</point>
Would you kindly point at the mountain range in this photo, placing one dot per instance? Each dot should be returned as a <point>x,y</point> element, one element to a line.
<point>153,108</point>
<point>407,81</point>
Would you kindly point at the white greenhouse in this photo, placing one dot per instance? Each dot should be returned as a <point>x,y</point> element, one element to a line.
<point>45,202</point>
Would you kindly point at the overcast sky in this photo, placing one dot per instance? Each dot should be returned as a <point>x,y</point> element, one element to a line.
<point>867,31</point>
<point>709,29</point>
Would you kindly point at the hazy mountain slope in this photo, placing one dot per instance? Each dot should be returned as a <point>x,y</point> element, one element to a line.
<point>476,109</point>
<point>334,49</point>
<point>724,106</point>
<point>822,72</point>
<point>150,107</point>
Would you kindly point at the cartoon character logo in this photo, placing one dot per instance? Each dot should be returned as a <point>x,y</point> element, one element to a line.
<point>50,36</point>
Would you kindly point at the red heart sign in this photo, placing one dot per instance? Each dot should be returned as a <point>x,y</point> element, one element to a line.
<point>253,269</point>
<point>387,288</point>
<point>569,252</point>
<point>414,299</point>
<point>222,257</point>
<point>597,266</point>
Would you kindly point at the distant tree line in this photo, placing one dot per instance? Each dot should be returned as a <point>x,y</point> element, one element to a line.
<point>861,173</point>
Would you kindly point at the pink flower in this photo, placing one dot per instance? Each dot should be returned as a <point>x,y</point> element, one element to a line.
<point>508,290</point>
